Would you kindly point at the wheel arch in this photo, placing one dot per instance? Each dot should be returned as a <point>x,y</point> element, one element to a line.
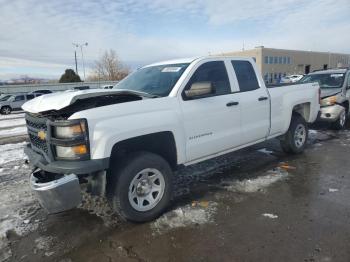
<point>160,143</point>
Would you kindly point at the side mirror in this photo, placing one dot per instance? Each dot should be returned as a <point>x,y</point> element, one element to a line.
<point>200,89</point>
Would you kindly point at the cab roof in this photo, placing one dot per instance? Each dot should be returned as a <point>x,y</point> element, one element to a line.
<point>191,59</point>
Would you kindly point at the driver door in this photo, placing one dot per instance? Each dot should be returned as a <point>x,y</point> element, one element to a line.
<point>18,102</point>
<point>211,122</point>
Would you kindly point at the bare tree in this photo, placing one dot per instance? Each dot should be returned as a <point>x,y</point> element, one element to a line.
<point>109,67</point>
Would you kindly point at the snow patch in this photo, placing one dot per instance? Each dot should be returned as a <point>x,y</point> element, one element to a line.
<point>312,132</point>
<point>14,131</point>
<point>12,122</point>
<point>44,243</point>
<point>332,190</point>
<point>272,216</point>
<point>184,217</point>
<point>256,184</point>
<point>11,152</point>
<point>265,151</point>
<point>12,116</point>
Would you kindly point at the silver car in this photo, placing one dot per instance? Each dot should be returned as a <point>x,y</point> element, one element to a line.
<point>335,95</point>
<point>14,102</point>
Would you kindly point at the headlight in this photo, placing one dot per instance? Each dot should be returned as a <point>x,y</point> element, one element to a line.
<point>70,139</point>
<point>72,152</point>
<point>329,101</point>
<point>70,131</point>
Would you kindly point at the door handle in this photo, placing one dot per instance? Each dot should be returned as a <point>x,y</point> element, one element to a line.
<point>232,103</point>
<point>262,98</point>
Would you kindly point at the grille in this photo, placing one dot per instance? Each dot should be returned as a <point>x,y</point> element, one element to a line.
<point>34,125</point>
<point>38,143</point>
<point>40,124</point>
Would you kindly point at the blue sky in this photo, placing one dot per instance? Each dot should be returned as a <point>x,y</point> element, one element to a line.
<point>36,36</point>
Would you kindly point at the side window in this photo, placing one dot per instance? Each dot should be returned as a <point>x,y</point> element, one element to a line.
<point>349,80</point>
<point>19,98</point>
<point>214,72</point>
<point>29,97</point>
<point>245,75</point>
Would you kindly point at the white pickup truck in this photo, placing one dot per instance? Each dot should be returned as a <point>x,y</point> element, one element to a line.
<point>126,142</point>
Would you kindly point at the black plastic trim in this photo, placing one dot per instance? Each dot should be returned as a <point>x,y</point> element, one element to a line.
<point>66,167</point>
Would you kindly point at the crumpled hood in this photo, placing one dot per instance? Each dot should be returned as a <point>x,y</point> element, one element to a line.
<point>326,92</point>
<point>57,101</point>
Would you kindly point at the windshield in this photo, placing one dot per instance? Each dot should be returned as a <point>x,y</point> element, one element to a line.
<point>325,80</point>
<point>4,98</point>
<point>154,80</point>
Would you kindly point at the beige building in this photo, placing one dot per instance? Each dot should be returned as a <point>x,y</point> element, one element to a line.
<point>275,63</point>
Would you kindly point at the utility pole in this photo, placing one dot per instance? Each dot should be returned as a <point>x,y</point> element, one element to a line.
<point>76,63</point>
<point>82,55</point>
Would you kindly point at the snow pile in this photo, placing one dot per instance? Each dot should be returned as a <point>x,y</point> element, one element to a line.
<point>185,216</point>
<point>11,152</point>
<point>268,215</point>
<point>256,184</point>
<point>12,122</point>
<point>14,131</point>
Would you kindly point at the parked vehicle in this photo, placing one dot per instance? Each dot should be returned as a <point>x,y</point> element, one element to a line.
<point>14,103</point>
<point>42,92</point>
<point>335,95</point>
<point>107,86</point>
<point>290,79</point>
<point>127,141</point>
<point>81,87</point>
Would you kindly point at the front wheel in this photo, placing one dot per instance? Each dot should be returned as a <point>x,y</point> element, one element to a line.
<point>141,187</point>
<point>294,141</point>
<point>5,110</point>
<point>340,123</point>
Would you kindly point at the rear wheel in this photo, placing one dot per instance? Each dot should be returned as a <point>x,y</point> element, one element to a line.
<point>5,110</point>
<point>141,187</point>
<point>294,141</point>
<point>340,123</point>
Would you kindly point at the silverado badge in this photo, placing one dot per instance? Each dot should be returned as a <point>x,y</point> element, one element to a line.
<point>42,135</point>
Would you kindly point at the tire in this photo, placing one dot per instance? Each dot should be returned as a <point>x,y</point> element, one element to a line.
<point>5,110</point>
<point>341,121</point>
<point>141,187</point>
<point>294,141</point>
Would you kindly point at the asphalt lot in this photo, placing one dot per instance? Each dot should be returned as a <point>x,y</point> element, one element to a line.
<point>256,204</point>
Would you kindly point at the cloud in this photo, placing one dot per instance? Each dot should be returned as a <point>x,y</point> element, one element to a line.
<point>146,31</point>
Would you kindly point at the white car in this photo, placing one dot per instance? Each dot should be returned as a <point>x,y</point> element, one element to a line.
<point>126,142</point>
<point>291,79</point>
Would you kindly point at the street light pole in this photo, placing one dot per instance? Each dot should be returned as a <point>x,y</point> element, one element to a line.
<point>76,63</point>
<point>82,55</point>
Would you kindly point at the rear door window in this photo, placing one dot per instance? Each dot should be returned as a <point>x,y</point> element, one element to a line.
<point>29,97</point>
<point>246,76</point>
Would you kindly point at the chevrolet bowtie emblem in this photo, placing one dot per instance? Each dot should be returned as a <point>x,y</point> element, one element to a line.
<point>42,135</point>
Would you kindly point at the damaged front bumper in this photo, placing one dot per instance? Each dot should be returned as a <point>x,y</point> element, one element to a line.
<point>56,194</point>
<point>330,113</point>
